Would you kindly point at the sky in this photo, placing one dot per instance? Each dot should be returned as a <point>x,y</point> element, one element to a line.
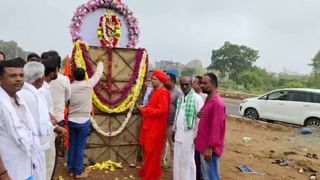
<point>285,32</point>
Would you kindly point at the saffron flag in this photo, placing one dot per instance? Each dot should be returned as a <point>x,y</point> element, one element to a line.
<point>67,72</point>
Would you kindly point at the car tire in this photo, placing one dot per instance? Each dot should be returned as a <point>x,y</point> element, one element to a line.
<point>313,122</point>
<point>251,114</point>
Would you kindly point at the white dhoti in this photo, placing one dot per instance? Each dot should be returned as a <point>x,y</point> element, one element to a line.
<point>184,167</point>
<point>50,159</point>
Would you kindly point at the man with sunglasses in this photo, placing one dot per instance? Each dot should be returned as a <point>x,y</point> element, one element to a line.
<point>185,127</point>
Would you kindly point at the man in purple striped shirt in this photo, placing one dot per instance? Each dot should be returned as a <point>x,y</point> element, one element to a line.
<point>211,129</point>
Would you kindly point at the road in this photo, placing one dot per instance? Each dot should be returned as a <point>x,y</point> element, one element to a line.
<point>232,106</point>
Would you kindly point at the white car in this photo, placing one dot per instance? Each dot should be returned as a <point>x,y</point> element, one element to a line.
<point>291,105</point>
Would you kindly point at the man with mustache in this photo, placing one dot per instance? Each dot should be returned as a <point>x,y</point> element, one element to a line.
<point>20,145</point>
<point>211,129</point>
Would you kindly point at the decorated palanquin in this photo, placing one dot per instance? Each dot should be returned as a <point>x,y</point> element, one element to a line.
<point>107,30</point>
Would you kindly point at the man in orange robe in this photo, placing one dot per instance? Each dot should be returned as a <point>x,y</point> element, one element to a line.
<point>153,132</point>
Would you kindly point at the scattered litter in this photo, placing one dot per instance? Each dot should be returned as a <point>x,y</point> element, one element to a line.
<point>313,177</point>
<point>305,149</point>
<point>306,130</point>
<point>290,153</point>
<point>247,139</point>
<point>281,162</point>
<point>312,170</point>
<point>247,169</point>
<point>314,156</point>
<point>132,165</point>
<point>301,170</point>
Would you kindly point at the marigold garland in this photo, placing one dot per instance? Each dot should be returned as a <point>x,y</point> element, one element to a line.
<point>132,96</point>
<point>108,35</point>
<point>129,114</point>
<point>106,86</point>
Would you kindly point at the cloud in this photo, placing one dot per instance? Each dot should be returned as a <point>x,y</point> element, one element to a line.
<point>285,32</point>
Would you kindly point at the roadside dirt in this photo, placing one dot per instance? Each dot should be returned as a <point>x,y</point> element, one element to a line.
<point>274,151</point>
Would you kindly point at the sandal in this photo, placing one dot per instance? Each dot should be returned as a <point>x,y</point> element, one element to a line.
<point>84,174</point>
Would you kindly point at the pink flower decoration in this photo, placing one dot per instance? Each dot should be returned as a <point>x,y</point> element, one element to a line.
<point>118,6</point>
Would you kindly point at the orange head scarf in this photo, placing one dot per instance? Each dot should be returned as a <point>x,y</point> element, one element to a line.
<point>163,77</point>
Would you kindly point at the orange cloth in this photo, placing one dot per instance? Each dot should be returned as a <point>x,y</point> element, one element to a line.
<point>163,77</point>
<point>153,133</point>
<point>67,72</point>
<point>66,127</point>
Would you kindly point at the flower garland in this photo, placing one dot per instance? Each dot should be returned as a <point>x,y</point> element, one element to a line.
<point>125,90</point>
<point>128,117</point>
<point>135,90</point>
<point>114,133</point>
<point>132,97</point>
<point>109,30</point>
<point>118,6</point>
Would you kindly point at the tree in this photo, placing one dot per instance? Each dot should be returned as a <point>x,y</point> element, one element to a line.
<point>188,72</point>
<point>232,59</point>
<point>315,63</point>
<point>11,49</point>
<point>257,78</point>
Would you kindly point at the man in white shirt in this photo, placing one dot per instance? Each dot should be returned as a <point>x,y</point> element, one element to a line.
<point>50,73</point>
<point>185,127</point>
<point>196,81</point>
<point>34,78</point>
<point>60,91</point>
<point>20,143</point>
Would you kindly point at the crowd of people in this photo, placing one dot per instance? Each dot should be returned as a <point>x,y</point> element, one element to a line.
<point>34,97</point>
<point>190,121</point>
<point>182,127</point>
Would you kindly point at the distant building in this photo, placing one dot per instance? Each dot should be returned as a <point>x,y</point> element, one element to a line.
<point>165,64</point>
<point>192,68</point>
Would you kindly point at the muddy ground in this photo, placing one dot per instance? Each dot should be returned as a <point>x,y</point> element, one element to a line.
<point>273,151</point>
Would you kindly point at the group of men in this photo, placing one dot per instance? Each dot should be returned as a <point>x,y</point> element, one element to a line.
<point>33,97</point>
<point>194,120</point>
<point>29,116</point>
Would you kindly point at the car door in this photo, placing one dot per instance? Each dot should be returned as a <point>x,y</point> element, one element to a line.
<point>297,107</point>
<point>273,105</point>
